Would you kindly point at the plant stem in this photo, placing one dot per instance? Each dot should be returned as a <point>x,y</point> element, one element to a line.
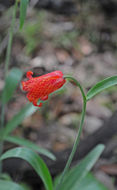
<point>7,61</point>
<point>11,30</point>
<point>78,134</point>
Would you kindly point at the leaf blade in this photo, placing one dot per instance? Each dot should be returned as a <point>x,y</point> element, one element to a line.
<point>23,9</point>
<point>90,183</point>
<point>11,83</point>
<point>4,185</point>
<point>26,111</point>
<point>76,174</point>
<point>29,144</point>
<point>100,86</point>
<point>34,160</point>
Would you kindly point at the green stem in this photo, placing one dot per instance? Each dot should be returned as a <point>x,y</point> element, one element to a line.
<point>78,134</point>
<point>7,61</point>
<point>11,31</point>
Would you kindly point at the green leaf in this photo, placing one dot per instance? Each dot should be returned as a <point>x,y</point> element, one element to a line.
<point>90,183</point>
<point>34,160</point>
<point>28,110</point>
<point>26,186</point>
<point>11,83</point>
<point>5,176</point>
<point>5,185</point>
<point>29,144</point>
<point>76,174</point>
<point>100,86</point>
<point>23,9</point>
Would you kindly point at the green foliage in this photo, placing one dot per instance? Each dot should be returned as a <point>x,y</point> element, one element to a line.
<point>29,144</point>
<point>5,176</point>
<point>28,110</point>
<point>23,9</point>
<point>33,32</point>
<point>100,86</point>
<point>5,185</point>
<point>34,160</point>
<point>25,186</point>
<point>66,39</point>
<point>90,183</point>
<point>76,175</point>
<point>11,82</point>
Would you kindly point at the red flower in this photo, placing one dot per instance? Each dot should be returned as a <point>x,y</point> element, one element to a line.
<point>40,87</point>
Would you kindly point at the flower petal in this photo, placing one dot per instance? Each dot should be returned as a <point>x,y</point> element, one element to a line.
<point>29,74</point>
<point>44,98</point>
<point>40,87</point>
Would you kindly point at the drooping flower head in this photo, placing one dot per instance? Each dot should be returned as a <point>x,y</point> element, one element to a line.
<point>39,88</point>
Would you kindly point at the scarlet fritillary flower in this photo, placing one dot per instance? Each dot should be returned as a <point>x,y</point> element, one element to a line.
<point>39,88</point>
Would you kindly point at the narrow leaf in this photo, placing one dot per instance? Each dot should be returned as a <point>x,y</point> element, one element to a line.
<point>28,110</point>
<point>76,174</point>
<point>90,183</point>
<point>11,83</point>
<point>23,9</point>
<point>100,86</point>
<point>29,144</point>
<point>5,185</point>
<point>34,160</point>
